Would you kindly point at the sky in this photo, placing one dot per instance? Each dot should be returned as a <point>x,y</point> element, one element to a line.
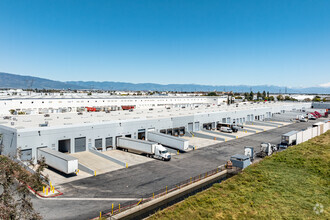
<point>222,42</point>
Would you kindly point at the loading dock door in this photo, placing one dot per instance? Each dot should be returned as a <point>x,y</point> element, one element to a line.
<point>142,134</point>
<point>108,142</point>
<point>98,144</point>
<point>26,154</point>
<point>64,146</point>
<point>117,139</point>
<point>80,144</point>
<point>196,126</point>
<point>190,126</point>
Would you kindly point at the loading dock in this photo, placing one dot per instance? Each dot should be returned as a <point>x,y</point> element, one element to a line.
<point>196,126</point>
<point>108,143</point>
<point>219,135</point>
<point>96,163</point>
<point>142,134</point>
<point>64,146</point>
<point>80,144</point>
<point>207,126</point>
<point>129,158</point>
<point>196,142</point>
<point>98,144</point>
<point>182,131</point>
<point>176,131</point>
<point>117,140</point>
<point>190,126</point>
<point>26,155</point>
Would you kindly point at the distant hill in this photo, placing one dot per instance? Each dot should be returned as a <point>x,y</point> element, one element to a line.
<point>194,87</point>
<point>8,80</point>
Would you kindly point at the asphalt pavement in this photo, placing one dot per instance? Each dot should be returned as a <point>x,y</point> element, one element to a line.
<point>141,180</point>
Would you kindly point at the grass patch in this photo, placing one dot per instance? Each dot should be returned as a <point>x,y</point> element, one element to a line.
<point>285,186</point>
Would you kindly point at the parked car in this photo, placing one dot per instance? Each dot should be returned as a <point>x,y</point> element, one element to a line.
<point>226,129</point>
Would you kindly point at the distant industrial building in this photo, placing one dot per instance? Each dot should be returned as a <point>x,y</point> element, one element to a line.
<point>77,103</point>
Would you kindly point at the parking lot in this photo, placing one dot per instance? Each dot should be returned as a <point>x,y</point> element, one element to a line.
<point>101,165</point>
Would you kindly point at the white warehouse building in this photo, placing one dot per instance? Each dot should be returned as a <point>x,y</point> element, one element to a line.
<point>71,132</point>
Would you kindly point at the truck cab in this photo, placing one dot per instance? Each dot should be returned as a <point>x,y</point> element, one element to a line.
<point>311,116</point>
<point>162,153</point>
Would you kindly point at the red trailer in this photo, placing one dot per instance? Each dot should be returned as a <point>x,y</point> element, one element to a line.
<point>127,107</point>
<point>90,109</point>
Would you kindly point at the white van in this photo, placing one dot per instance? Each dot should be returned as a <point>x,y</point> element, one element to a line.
<point>226,129</point>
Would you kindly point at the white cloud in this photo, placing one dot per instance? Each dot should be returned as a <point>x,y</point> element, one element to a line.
<point>325,84</point>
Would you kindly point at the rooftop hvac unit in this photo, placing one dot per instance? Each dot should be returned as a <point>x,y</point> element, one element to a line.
<point>43,125</point>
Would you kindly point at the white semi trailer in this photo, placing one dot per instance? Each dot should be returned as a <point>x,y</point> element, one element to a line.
<point>289,138</point>
<point>59,161</point>
<point>151,149</point>
<point>168,140</point>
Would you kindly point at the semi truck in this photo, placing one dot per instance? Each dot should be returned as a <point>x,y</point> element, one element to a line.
<point>289,138</point>
<point>150,149</point>
<point>311,116</point>
<point>167,140</point>
<point>266,149</point>
<point>59,161</point>
<point>301,118</point>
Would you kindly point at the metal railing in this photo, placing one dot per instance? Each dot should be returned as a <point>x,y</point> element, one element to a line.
<point>157,194</point>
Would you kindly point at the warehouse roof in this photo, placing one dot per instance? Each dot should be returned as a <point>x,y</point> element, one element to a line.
<point>63,119</point>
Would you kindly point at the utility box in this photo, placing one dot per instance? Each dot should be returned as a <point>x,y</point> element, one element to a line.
<point>240,161</point>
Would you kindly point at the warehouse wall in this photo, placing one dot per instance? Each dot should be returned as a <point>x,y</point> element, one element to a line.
<point>34,138</point>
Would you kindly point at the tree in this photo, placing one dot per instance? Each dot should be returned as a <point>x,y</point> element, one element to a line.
<point>12,111</point>
<point>287,98</point>
<point>264,95</point>
<point>271,98</point>
<point>246,95</point>
<point>258,95</point>
<point>317,99</point>
<point>251,95</point>
<point>307,100</point>
<point>279,98</point>
<point>267,94</point>
<point>15,201</point>
<point>212,94</point>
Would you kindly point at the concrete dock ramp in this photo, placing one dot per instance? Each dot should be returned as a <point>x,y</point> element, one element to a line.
<point>96,163</point>
<point>128,157</point>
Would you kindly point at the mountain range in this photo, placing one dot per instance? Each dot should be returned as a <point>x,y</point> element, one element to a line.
<point>8,80</point>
